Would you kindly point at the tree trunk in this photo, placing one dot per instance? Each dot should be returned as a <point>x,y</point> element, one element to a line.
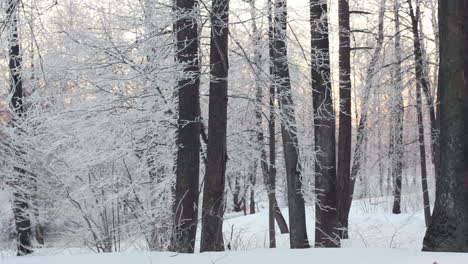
<point>396,137</point>
<point>19,183</point>
<point>345,121</point>
<point>188,133</point>
<point>274,210</point>
<point>423,79</point>
<point>425,84</point>
<point>213,191</point>
<point>464,104</point>
<point>252,179</point>
<point>280,220</point>
<point>270,179</point>
<point>422,156</point>
<point>421,82</point>
<point>326,223</point>
<point>448,230</point>
<point>281,77</point>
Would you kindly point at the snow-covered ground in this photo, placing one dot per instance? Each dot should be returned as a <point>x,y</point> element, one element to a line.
<point>377,237</point>
<point>275,256</point>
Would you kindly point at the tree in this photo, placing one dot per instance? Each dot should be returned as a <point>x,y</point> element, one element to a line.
<point>281,78</point>
<point>345,121</point>
<point>326,222</point>
<point>269,168</point>
<point>421,83</point>
<point>396,136</point>
<point>257,70</point>
<point>20,182</point>
<point>213,190</point>
<point>188,133</point>
<point>422,79</point>
<point>448,230</point>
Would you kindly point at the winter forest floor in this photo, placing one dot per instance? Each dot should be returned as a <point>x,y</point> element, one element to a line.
<point>377,237</point>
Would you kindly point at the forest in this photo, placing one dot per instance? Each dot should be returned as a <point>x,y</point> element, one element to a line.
<point>149,129</point>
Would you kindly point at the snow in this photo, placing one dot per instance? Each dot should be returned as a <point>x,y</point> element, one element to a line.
<point>377,237</point>
<point>275,256</point>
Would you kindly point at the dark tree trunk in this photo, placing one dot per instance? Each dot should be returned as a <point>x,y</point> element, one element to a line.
<point>270,182</point>
<point>423,79</point>
<point>421,82</point>
<point>396,137</point>
<point>448,230</point>
<point>345,121</point>
<point>464,104</point>
<point>422,156</point>
<point>326,223</point>
<point>281,77</point>
<point>213,191</point>
<point>22,223</point>
<point>280,220</point>
<point>252,179</point>
<point>268,169</point>
<point>20,195</point>
<point>188,134</point>
<point>270,179</point>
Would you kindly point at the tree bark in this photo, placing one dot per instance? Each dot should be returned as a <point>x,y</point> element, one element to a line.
<point>188,133</point>
<point>270,179</point>
<point>281,77</point>
<point>448,230</point>
<point>326,223</point>
<point>276,211</point>
<point>213,191</point>
<point>345,121</point>
<point>252,179</point>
